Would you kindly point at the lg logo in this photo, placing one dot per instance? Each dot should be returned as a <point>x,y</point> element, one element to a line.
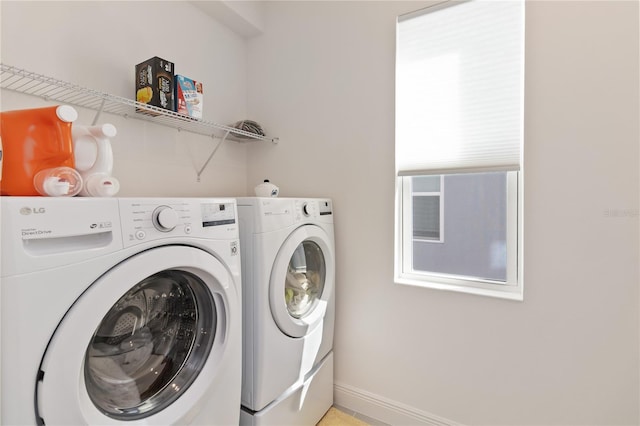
<point>28,210</point>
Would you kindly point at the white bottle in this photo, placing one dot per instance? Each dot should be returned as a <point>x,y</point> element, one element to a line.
<point>94,159</point>
<point>266,189</point>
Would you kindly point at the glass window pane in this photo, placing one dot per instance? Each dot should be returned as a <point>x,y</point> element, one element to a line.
<point>426,217</point>
<point>426,183</point>
<point>475,222</point>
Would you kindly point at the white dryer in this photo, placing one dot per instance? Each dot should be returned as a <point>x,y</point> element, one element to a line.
<point>288,269</point>
<point>120,311</point>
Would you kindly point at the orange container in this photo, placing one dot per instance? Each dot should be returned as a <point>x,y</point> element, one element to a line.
<point>36,140</point>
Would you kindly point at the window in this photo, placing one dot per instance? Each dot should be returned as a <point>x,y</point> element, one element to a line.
<point>426,199</point>
<point>459,126</point>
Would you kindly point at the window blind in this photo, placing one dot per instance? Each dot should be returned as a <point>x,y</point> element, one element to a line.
<point>459,88</point>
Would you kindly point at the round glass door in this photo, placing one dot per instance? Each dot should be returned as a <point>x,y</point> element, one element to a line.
<point>305,279</point>
<point>151,345</point>
<point>302,280</point>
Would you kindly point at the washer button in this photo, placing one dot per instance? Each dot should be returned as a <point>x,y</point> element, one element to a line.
<point>187,229</point>
<point>140,235</point>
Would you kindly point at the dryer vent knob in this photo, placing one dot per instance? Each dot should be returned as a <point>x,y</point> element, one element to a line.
<point>165,218</point>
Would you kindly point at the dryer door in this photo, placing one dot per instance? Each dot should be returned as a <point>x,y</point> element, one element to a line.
<point>302,280</point>
<point>143,342</point>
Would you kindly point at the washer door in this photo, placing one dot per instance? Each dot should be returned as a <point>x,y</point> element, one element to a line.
<point>302,280</point>
<point>141,337</point>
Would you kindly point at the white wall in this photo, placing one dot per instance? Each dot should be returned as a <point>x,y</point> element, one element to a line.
<point>323,78</point>
<point>97,45</point>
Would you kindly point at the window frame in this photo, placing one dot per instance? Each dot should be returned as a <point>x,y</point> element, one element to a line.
<point>404,273</point>
<point>496,157</point>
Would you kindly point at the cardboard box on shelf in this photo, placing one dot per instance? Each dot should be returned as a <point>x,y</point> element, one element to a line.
<point>189,97</point>
<point>154,84</point>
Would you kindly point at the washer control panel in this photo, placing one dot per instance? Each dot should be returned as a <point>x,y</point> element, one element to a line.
<point>152,219</point>
<point>312,209</point>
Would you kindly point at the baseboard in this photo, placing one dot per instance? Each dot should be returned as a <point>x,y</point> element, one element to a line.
<point>383,409</point>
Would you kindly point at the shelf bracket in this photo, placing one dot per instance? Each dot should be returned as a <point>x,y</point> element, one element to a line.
<point>98,112</point>
<point>215,149</point>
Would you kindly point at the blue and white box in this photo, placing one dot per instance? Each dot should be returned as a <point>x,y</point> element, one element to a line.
<point>189,96</point>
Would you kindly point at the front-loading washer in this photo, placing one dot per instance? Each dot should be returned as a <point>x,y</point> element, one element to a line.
<point>288,270</point>
<point>120,310</point>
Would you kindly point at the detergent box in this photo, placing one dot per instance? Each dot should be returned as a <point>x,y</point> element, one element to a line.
<point>154,84</point>
<point>189,96</point>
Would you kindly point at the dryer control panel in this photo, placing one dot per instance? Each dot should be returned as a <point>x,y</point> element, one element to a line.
<point>273,213</point>
<point>312,209</point>
<point>148,219</point>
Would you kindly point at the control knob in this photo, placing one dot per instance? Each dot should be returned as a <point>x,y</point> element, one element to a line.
<point>164,218</point>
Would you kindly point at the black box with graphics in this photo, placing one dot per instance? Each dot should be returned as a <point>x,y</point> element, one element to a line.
<point>154,83</point>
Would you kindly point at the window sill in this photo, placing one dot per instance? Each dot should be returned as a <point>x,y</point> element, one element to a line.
<point>503,292</point>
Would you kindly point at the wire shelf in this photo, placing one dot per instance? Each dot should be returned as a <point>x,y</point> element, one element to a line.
<point>51,89</point>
